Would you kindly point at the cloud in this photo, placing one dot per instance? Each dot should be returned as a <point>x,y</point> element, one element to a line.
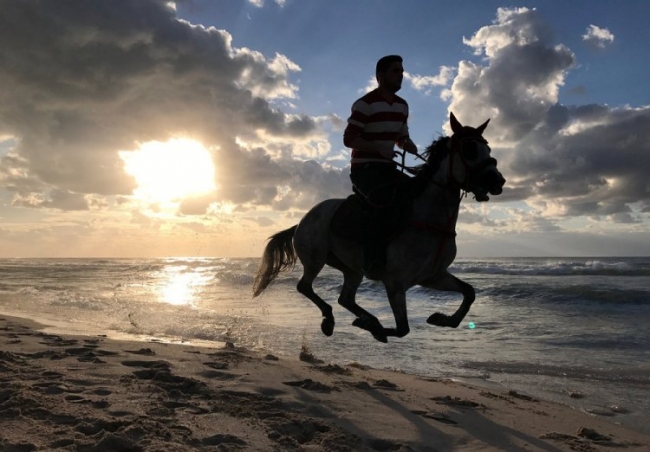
<point>598,37</point>
<point>260,3</point>
<point>426,82</point>
<point>83,81</point>
<point>519,83</point>
<point>581,160</point>
<point>370,85</point>
<point>261,221</point>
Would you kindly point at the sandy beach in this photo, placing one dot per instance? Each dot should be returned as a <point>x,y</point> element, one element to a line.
<point>82,393</point>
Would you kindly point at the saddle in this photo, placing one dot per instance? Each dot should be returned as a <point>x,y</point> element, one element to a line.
<point>352,219</point>
<point>372,227</point>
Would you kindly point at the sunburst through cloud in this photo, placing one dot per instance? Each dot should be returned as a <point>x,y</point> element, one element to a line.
<point>170,171</point>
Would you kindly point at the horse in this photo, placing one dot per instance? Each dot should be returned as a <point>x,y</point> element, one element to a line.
<point>419,254</point>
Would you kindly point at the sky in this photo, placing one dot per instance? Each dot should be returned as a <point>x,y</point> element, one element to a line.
<point>144,128</point>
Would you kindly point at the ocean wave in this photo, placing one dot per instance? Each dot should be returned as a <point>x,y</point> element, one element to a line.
<point>627,267</point>
<point>636,376</point>
<point>566,294</point>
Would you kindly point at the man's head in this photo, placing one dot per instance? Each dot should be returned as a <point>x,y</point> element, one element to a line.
<point>389,72</point>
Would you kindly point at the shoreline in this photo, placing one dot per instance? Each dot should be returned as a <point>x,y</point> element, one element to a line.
<point>92,393</point>
<point>571,395</point>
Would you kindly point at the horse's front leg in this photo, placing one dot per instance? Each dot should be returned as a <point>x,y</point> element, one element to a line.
<point>449,283</point>
<point>397,299</point>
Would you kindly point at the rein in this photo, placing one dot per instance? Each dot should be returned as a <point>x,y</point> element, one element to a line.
<point>447,233</point>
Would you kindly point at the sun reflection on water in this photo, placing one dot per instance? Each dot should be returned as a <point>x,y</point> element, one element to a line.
<point>182,285</point>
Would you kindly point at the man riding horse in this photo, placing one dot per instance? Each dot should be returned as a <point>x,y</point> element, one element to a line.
<point>378,122</point>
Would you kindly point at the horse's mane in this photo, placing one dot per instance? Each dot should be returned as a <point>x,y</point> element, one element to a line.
<point>434,154</point>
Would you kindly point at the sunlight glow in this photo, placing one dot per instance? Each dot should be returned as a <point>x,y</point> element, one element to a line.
<point>182,285</point>
<point>170,171</point>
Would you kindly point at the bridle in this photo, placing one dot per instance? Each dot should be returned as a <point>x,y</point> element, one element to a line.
<point>471,172</point>
<point>455,148</point>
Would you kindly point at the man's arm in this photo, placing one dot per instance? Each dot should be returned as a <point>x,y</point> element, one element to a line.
<point>352,134</point>
<point>404,141</point>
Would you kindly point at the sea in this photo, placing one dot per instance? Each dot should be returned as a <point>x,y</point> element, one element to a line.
<point>571,330</point>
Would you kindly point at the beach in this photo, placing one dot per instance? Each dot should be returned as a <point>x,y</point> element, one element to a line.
<point>92,393</point>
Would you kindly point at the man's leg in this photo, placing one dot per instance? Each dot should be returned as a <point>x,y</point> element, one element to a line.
<point>377,183</point>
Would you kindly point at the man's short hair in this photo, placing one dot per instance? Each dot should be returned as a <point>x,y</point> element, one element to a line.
<point>385,62</point>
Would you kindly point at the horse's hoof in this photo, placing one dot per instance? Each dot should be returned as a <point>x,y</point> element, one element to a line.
<point>438,319</point>
<point>327,327</point>
<point>372,325</point>
<point>368,323</point>
<point>365,323</point>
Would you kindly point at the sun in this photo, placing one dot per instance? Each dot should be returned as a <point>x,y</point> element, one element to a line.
<point>170,171</point>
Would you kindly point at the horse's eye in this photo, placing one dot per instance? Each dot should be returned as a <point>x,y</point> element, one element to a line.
<point>470,150</point>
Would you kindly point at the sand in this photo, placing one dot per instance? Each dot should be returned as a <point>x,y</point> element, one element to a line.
<point>81,393</point>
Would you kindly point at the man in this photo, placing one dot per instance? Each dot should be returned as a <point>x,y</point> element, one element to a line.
<point>378,122</point>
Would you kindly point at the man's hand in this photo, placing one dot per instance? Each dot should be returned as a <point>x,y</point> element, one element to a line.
<point>409,146</point>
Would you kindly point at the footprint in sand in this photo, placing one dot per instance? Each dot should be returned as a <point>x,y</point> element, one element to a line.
<point>334,369</point>
<point>159,370</point>
<point>53,388</point>
<point>225,439</point>
<point>101,392</point>
<point>457,402</point>
<point>217,375</point>
<point>520,396</point>
<point>216,365</point>
<point>383,445</point>
<point>311,385</point>
<point>58,341</point>
<point>51,374</point>
<point>185,407</point>
<point>435,416</point>
<point>94,403</point>
<point>142,351</point>
<point>159,364</point>
<point>385,384</point>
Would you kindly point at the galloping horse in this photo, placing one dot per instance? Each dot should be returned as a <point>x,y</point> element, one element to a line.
<point>420,252</point>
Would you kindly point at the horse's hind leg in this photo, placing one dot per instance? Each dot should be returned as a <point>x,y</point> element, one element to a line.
<point>450,283</point>
<point>305,287</point>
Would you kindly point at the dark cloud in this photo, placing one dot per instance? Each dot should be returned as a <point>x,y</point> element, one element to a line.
<point>591,160</point>
<point>84,80</point>
<point>595,162</point>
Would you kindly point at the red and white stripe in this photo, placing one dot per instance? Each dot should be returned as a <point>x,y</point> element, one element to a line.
<point>375,119</point>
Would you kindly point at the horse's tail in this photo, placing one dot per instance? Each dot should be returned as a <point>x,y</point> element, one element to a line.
<point>279,255</point>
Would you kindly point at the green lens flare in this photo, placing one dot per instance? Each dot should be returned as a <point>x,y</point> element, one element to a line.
<point>471,325</point>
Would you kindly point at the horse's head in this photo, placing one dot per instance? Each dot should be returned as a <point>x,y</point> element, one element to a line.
<point>470,163</point>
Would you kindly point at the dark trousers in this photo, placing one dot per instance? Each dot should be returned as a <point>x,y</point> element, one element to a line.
<point>387,193</point>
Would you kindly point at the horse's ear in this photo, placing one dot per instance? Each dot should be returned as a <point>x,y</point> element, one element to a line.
<point>455,125</point>
<point>482,127</point>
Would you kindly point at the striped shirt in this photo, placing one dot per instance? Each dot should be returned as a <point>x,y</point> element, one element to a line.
<point>375,119</point>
